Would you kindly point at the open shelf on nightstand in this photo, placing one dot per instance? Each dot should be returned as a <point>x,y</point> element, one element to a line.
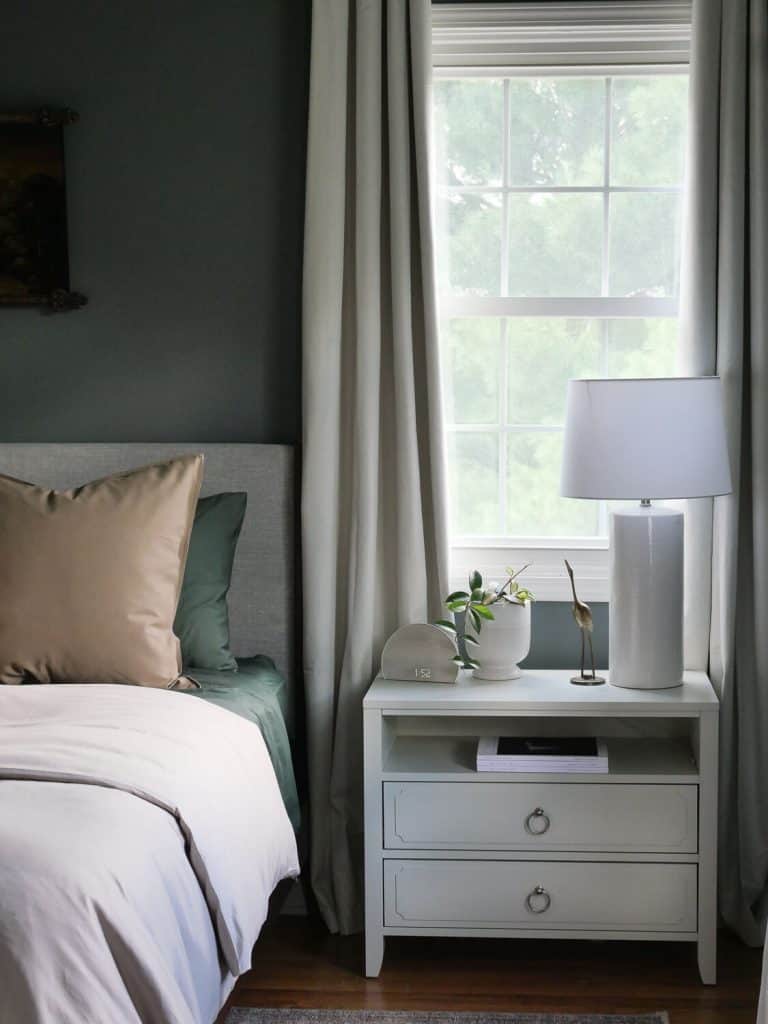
<point>452,758</point>
<point>453,851</point>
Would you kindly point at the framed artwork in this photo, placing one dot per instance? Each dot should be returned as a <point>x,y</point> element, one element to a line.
<point>34,257</point>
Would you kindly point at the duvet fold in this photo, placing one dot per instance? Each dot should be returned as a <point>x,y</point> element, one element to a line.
<point>141,835</point>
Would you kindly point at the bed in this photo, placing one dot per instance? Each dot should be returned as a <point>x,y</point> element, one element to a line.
<point>136,862</point>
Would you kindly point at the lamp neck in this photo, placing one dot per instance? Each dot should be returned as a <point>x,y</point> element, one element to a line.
<point>645,503</point>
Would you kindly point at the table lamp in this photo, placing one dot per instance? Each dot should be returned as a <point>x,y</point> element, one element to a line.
<point>645,439</point>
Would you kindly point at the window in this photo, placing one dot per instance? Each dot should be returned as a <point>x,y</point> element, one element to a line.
<point>558,225</point>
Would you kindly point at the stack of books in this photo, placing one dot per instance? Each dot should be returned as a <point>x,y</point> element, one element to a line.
<point>541,754</point>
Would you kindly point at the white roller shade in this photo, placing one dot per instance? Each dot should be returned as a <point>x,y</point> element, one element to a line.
<point>573,34</point>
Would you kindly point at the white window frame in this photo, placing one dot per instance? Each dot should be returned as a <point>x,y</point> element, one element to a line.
<point>608,38</point>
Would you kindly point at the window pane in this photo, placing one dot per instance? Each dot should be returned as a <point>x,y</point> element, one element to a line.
<point>556,131</point>
<point>648,119</point>
<point>469,130</point>
<point>555,244</point>
<point>644,244</point>
<point>504,376</point>
<point>641,348</point>
<point>473,480</point>
<point>534,505</point>
<point>471,370</point>
<point>544,352</point>
<point>469,243</point>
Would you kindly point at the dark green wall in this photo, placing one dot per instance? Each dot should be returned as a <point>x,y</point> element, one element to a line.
<point>185,184</point>
<point>186,194</point>
<point>555,640</point>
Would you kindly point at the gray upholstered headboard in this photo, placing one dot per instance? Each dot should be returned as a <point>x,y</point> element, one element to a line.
<point>261,600</point>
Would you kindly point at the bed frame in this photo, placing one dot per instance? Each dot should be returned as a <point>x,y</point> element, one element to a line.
<point>261,600</point>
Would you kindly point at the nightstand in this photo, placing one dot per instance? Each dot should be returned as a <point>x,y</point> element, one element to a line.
<point>630,854</point>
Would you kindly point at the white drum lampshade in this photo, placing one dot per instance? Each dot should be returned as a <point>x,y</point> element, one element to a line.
<point>645,439</point>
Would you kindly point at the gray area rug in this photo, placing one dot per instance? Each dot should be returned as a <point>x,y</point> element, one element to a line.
<point>262,1016</point>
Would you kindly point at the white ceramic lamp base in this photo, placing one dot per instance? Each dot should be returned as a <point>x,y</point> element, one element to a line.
<point>646,608</point>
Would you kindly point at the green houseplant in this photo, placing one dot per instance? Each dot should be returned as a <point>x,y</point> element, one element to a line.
<point>484,604</point>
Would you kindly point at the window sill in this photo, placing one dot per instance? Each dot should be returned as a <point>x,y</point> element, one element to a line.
<point>546,576</point>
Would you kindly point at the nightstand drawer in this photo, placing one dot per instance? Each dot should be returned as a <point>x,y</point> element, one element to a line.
<point>540,816</point>
<point>540,895</point>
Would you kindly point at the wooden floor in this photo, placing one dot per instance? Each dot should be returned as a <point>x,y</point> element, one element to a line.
<point>296,963</point>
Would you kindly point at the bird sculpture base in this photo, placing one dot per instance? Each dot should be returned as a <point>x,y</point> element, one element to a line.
<point>587,680</point>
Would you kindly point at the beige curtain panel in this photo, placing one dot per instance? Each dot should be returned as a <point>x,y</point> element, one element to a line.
<point>724,308</point>
<point>374,544</point>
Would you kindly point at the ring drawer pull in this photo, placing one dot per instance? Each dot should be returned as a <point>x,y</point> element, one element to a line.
<point>538,901</point>
<point>537,822</point>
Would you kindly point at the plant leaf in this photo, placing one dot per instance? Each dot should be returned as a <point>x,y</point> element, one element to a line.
<point>469,639</point>
<point>483,610</point>
<point>477,594</point>
<point>445,624</point>
<point>456,606</point>
<point>475,580</point>
<point>472,664</point>
<point>476,621</point>
<point>456,595</point>
<point>458,658</point>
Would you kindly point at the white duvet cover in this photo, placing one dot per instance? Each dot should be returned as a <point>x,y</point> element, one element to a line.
<point>141,835</point>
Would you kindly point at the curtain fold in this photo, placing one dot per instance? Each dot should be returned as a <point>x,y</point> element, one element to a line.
<point>724,324</point>
<point>374,537</point>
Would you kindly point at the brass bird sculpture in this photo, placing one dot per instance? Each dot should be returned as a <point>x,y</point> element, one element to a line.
<point>583,616</point>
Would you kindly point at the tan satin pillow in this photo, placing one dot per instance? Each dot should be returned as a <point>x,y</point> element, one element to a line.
<point>90,578</point>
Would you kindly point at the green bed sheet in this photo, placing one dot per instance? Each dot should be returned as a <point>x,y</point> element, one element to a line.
<point>257,692</point>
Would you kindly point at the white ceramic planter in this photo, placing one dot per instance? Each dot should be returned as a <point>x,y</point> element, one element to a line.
<point>503,642</point>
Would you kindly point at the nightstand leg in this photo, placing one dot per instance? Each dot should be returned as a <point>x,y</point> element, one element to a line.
<point>707,955</point>
<point>374,952</point>
<point>374,880</point>
<point>707,944</point>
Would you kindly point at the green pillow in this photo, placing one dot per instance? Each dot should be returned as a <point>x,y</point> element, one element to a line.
<point>202,617</point>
